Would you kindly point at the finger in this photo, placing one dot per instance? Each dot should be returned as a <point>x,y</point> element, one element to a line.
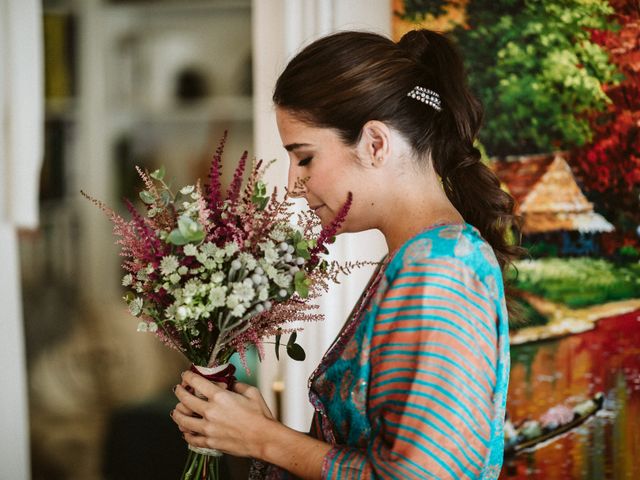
<point>190,401</point>
<point>201,384</point>
<point>241,388</point>
<point>187,423</point>
<point>195,440</point>
<point>184,410</point>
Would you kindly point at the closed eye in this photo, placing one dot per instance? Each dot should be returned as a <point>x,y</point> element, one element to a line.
<point>304,161</point>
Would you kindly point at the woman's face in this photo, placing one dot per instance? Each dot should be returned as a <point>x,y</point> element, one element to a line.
<point>333,170</point>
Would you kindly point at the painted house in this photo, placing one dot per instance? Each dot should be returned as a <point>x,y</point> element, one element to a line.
<point>553,208</point>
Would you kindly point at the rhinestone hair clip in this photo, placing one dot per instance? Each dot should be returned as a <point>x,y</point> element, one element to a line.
<point>427,96</point>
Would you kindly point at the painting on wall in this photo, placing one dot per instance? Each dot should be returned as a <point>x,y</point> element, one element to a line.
<point>560,85</point>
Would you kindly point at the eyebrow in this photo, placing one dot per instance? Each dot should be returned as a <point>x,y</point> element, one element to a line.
<point>293,146</point>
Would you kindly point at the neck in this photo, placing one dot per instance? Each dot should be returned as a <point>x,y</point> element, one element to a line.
<point>411,214</point>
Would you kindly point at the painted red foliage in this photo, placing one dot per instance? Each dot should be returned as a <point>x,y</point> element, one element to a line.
<point>610,165</point>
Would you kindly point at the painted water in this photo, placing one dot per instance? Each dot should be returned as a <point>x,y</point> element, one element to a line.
<point>567,371</point>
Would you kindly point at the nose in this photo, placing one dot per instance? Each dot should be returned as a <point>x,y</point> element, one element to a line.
<point>295,186</point>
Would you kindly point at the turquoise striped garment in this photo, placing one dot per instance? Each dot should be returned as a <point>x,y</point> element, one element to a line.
<point>415,385</point>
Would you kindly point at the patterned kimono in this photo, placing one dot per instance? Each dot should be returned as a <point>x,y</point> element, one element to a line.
<point>415,384</point>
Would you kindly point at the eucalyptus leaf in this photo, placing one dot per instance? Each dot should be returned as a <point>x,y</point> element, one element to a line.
<point>146,197</point>
<point>158,174</point>
<point>176,238</point>
<point>292,338</point>
<point>190,229</point>
<point>166,198</point>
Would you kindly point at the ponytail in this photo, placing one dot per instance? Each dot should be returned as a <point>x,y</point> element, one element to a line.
<point>471,186</point>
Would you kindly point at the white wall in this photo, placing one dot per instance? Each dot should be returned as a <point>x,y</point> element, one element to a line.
<point>280,29</point>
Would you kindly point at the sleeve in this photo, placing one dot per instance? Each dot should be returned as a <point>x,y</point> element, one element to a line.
<point>433,373</point>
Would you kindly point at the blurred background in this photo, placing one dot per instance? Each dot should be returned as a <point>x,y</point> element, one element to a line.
<point>156,83</point>
<point>110,85</point>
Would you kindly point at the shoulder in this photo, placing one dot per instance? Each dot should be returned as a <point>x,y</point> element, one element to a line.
<point>456,251</point>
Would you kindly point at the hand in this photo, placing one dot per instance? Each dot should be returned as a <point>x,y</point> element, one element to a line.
<point>228,421</point>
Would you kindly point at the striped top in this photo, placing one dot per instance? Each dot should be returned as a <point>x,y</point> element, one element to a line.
<point>415,385</point>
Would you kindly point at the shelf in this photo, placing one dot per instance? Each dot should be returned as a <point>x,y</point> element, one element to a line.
<point>65,108</point>
<point>234,108</point>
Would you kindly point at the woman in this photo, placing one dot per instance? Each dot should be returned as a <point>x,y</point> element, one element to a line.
<point>415,384</point>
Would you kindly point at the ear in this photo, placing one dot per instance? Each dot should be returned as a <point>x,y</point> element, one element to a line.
<point>374,145</point>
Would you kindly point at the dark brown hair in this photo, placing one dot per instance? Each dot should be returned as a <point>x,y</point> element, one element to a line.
<point>343,80</point>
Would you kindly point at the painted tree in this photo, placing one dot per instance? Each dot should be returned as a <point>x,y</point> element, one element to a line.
<point>537,70</point>
<point>609,166</point>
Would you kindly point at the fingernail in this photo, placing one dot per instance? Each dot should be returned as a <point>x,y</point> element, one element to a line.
<point>174,388</point>
<point>171,413</point>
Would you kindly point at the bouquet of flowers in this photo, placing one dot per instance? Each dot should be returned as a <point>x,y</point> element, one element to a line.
<point>211,274</point>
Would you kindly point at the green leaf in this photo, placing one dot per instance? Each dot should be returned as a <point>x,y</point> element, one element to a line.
<point>190,230</point>
<point>301,283</point>
<point>146,197</point>
<point>296,352</point>
<point>166,198</point>
<point>158,174</point>
<point>176,238</point>
<point>259,196</point>
<point>302,249</point>
<point>292,338</point>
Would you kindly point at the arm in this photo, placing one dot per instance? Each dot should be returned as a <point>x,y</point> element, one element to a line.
<point>433,358</point>
<point>239,423</point>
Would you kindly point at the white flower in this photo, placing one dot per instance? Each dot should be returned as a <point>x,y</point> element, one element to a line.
<point>283,280</point>
<point>182,270</point>
<point>232,301</point>
<point>150,269</point>
<point>248,260</point>
<point>217,296</point>
<point>217,277</point>
<point>244,291</point>
<point>209,264</point>
<point>230,248</point>
<point>263,294</point>
<point>191,288</point>
<point>186,190</point>
<point>190,249</point>
<point>142,275</point>
<point>174,278</point>
<point>182,312</point>
<point>153,327</point>
<point>170,312</point>
<point>270,252</point>
<point>135,307</point>
<point>142,327</point>
<point>219,255</point>
<point>169,264</point>
<point>208,249</point>
<point>278,235</point>
<point>239,310</point>
<point>270,271</point>
<point>127,280</point>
